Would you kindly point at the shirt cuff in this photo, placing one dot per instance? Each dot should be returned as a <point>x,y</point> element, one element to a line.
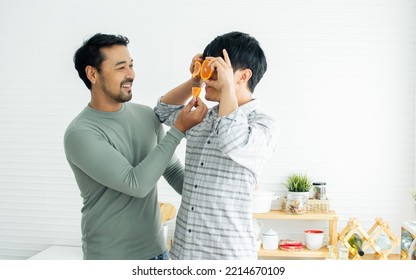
<point>176,134</point>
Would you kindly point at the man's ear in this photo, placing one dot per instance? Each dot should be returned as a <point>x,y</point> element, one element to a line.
<point>91,73</point>
<point>245,75</point>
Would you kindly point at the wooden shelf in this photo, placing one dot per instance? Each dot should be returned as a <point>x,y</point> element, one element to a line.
<point>304,253</point>
<point>330,216</point>
<point>282,215</point>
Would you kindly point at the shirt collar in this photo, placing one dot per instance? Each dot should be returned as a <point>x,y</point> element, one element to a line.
<point>246,109</point>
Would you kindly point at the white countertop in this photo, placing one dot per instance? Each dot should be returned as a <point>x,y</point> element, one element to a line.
<point>59,253</point>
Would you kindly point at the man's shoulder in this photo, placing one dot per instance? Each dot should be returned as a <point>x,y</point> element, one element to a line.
<point>136,108</point>
<point>83,122</point>
<point>259,115</point>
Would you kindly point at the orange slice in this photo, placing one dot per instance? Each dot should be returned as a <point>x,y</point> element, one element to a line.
<point>206,71</point>
<point>196,91</point>
<point>197,69</point>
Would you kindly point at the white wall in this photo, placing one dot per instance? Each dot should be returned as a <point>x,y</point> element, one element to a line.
<point>341,83</point>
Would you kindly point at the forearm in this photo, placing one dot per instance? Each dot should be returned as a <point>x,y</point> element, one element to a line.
<point>180,94</point>
<point>174,175</point>
<point>228,103</point>
<point>149,170</point>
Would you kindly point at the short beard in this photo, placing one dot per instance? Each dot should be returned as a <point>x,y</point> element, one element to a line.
<point>119,98</point>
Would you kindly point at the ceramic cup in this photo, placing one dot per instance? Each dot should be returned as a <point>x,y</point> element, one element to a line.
<point>314,239</point>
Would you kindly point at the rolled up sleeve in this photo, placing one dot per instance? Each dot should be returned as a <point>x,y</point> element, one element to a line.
<point>247,139</point>
<point>167,113</point>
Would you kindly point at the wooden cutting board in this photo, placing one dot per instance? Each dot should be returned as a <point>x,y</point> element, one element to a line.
<point>168,211</point>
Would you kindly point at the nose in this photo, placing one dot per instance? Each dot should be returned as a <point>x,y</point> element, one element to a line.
<point>131,74</point>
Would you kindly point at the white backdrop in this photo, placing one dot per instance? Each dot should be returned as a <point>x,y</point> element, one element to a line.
<point>340,82</point>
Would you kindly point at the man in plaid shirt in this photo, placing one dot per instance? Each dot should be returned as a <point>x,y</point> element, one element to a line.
<point>225,153</point>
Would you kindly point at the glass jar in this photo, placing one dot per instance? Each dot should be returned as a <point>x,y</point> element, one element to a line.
<point>296,202</point>
<point>319,190</point>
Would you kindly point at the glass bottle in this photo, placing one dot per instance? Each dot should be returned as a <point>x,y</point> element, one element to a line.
<point>356,243</point>
<point>384,242</point>
<point>342,252</point>
<point>331,253</point>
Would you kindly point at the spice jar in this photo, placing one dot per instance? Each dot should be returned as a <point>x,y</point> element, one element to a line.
<point>319,190</point>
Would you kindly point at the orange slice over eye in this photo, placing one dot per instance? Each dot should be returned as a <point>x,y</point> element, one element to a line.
<point>206,71</point>
<point>197,69</point>
<point>196,91</point>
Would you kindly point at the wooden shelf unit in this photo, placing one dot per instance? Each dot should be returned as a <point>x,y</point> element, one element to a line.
<point>330,216</point>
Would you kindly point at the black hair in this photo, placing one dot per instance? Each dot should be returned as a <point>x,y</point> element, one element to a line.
<point>244,52</point>
<point>89,53</point>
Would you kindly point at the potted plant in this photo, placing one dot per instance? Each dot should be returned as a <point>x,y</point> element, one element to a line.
<point>298,186</point>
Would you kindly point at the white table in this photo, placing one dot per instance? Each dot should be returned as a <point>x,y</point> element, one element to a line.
<point>59,253</point>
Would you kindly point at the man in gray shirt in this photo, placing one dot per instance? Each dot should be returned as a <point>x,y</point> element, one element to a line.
<point>118,151</point>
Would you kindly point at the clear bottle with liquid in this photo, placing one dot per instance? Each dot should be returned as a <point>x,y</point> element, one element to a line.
<point>342,252</point>
<point>331,253</point>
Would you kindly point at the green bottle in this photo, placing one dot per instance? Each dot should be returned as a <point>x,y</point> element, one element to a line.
<point>356,243</point>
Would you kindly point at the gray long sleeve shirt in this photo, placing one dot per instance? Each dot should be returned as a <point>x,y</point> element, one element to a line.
<point>117,159</point>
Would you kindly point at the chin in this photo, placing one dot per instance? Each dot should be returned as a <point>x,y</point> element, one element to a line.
<point>210,96</point>
<point>126,97</point>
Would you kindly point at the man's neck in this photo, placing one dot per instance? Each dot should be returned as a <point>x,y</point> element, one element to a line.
<point>105,106</point>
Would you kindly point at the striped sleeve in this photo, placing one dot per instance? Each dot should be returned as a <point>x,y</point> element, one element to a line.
<point>167,113</point>
<point>247,139</point>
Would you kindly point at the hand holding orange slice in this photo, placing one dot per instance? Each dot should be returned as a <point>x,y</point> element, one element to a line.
<point>196,91</point>
<point>202,70</point>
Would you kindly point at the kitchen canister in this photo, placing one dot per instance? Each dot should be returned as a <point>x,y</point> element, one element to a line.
<point>270,240</point>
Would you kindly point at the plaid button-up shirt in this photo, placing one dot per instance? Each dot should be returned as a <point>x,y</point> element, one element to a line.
<point>224,157</point>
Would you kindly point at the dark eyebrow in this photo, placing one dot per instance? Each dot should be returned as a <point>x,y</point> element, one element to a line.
<point>122,62</point>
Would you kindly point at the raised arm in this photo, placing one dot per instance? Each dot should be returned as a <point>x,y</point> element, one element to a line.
<point>88,151</point>
<point>181,94</point>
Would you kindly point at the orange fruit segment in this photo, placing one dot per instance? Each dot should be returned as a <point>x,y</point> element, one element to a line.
<point>197,69</point>
<point>206,70</point>
<point>196,91</point>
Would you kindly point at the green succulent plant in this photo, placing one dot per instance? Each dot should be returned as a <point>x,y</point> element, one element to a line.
<point>298,182</point>
<point>414,195</point>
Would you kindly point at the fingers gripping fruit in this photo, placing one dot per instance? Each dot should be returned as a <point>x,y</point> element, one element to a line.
<point>202,70</point>
<point>196,91</point>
